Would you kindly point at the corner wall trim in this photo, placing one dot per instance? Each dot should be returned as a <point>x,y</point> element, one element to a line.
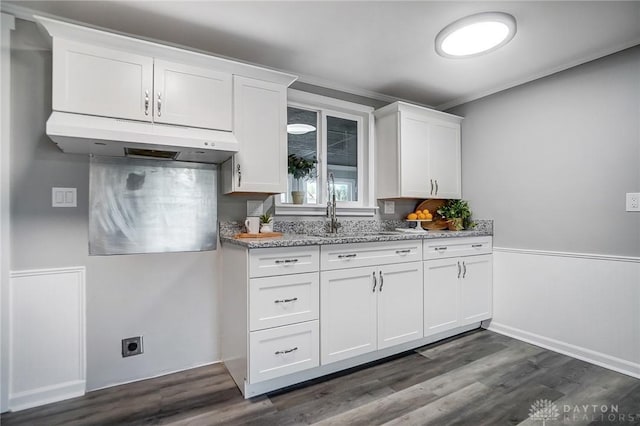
<point>592,256</point>
<point>584,354</point>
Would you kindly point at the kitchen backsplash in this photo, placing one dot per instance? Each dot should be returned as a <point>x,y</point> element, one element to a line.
<point>348,226</point>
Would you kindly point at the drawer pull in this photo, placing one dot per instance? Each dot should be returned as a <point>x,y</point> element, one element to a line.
<point>375,281</point>
<point>459,270</point>
<point>278,262</point>
<point>476,245</point>
<point>286,300</point>
<point>464,266</point>
<point>440,248</point>
<point>405,251</point>
<point>347,256</point>
<point>381,281</point>
<point>286,351</point>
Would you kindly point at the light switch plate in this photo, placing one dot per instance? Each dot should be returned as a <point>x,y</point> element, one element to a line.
<point>389,207</point>
<point>64,197</point>
<point>633,201</point>
<point>254,208</point>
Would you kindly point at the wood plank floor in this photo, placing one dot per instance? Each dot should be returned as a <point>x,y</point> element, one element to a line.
<point>479,378</point>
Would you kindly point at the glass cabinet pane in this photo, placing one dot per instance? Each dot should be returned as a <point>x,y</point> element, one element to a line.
<point>302,136</point>
<point>342,156</point>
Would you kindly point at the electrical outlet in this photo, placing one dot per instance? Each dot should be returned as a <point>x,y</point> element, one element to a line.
<point>64,197</point>
<point>132,346</point>
<point>389,207</point>
<point>633,201</point>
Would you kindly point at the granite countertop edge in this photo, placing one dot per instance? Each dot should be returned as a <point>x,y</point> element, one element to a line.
<point>294,240</point>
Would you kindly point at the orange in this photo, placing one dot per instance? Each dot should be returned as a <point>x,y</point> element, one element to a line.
<point>421,216</point>
<point>412,216</point>
<point>429,216</point>
<point>426,211</point>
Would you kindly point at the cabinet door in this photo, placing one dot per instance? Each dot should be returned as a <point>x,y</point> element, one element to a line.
<point>93,80</point>
<point>441,295</point>
<point>260,124</point>
<point>400,304</point>
<point>444,160</point>
<point>347,313</point>
<point>414,155</point>
<point>476,287</point>
<point>192,96</point>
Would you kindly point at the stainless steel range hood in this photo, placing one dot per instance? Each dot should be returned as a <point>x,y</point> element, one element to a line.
<point>86,134</point>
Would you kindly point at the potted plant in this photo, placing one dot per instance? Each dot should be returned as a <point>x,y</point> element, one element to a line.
<point>300,168</point>
<point>457,213</point>
<point>266,224</point>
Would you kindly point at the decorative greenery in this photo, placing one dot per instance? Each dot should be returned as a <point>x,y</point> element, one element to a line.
<point>265,218</point>
<point>300,167</point>
<point>457,209</point>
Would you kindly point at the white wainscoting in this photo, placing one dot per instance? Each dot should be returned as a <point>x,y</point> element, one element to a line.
<point>46,336</point>
<point>582,305</point>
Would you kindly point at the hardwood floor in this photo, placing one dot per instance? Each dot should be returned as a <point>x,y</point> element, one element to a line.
<point>479,378</point>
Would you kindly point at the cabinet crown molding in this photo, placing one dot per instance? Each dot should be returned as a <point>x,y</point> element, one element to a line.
<point>109,39</point>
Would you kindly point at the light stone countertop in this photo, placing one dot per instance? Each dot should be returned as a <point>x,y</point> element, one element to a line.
<point>293,240</point>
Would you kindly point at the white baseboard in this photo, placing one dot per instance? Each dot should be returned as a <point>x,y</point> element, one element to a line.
<point>164,373</point>
<point>584,354</point>
<point>46,395</point>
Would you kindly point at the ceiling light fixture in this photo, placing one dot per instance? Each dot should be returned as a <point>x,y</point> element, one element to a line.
<point>299,128</point>
<point>476,35</point>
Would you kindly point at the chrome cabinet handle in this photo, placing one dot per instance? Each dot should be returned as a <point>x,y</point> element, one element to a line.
<point>464,265</point>
<point>476,245</point>
<point>381,281</point>
<point>375,282</point>
<point>459,270</point>
<point>159,104</point>
<point>239,175</point>
<point>146,102</point>
<point>286,300</point>
<point>405,251</point>
<point>436,186</point>
<point>431,180</point>
<point>286,351</point>
<point>347,256</point>
<point>278,262</point>
<point>440,248</point>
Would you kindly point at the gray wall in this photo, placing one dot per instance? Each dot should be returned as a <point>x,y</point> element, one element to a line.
<point>170,299</point>
<point>550,161</point>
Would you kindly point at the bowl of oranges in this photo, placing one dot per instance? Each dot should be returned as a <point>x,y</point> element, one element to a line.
<point>420,216</point>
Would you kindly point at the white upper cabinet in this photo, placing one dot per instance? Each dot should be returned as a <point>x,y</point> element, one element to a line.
<point>192,96</point>
<point>260,125</point>
<point>417,153</point>
<point>93,80</point>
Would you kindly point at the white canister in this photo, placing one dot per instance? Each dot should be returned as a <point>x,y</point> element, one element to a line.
<point>252,224</point>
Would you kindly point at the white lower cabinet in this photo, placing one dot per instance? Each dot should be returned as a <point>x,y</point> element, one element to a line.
<point>283,350</point>
<point>369,308</point>
<point>457,292</point>
<point>291,314</point>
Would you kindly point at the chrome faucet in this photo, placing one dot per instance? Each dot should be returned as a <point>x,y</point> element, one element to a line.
<point>331,205</point>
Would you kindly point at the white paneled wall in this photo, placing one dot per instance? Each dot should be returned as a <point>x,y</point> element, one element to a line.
<point>586,306</point>
<point>46,336</point>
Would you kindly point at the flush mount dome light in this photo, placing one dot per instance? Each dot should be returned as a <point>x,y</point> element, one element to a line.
<point>299,128</point>
<point>476,35</point>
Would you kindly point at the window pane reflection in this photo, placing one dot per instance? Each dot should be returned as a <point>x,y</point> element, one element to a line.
<point>342,156</point>
<point>302,142</point>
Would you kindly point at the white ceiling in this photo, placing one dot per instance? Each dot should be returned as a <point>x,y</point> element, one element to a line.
<point>378,49</point>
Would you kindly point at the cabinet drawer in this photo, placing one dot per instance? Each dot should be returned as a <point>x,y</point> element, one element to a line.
<point>280,261</point>
<point>339,256</point>
<point>454,247</point>
<point>283,300</point>
<point>283,350</point>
